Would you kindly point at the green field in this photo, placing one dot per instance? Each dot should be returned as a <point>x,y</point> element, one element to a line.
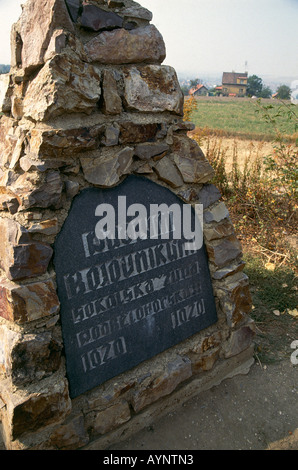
<point>239,117</point>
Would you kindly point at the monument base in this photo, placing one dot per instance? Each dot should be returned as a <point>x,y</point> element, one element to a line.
<point>80,114</point>
<point>238,365</point>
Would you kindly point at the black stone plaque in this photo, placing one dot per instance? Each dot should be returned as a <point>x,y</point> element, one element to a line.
<point>126,300</point>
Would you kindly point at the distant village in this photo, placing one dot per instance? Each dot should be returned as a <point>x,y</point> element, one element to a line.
<point>235,85</point>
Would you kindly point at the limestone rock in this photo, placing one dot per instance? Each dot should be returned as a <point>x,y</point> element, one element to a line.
<point>64,85</point>
<point>25,303</point>
<point>5,93</point>
<point>153,88</point>
<point>112,417</point>
<point>228,270</point>
<point>45,227</point>
<point>70,435</point>
<point>72,188</point>
<point>234,297</point>
<point>9,202</point>
<point>141,45</point>
<point>11,232</point>
<point>134,133</point>
<point>61,142</point>
<point>34,30</point>
<point>111,98</point>
<point>224,251</point>
<point>56,45</point>
<point>11,142</point>
<point>144,169</point>
<point>28,411</point>
<point>176,372</point>
<point>29,357</point>
<point>219,230</point>
<point>37,190</point>
<point>19,256</point>
<point>26,261</point>
<point>30,164</point>
<point>240,340</point>
<point>203,362</point>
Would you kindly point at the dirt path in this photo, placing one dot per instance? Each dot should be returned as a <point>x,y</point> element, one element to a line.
<point>257,411</point>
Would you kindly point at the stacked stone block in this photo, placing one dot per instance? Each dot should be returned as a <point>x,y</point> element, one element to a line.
<point>86,103</point>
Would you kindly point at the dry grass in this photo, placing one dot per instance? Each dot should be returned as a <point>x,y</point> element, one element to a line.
<point>264,212</point>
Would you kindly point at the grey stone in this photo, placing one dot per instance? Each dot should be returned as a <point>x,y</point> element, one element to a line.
<point>73,7</point>
<point>96,19</point>
<point>111,98</point>
<point>176,372</point>
<point>39,190</point>
<point>134,133</point>
<point>111,136</point>
<point>137,11</point>
<point>45,227</point>
<point>111,418</point>
<point>240,340</point>
<point>167,172</point>
<point>34,357</point>
<point>153,88</point>
<point>194,171</point>
<point>70,435</point>
<point>217,213</point>
<point>38,21</point>
<point>221,252</point>
<point>105,170</point>
<point>142,45</point>
<point>149,150</point>
<point>208,195</point>
<point>63,85</point>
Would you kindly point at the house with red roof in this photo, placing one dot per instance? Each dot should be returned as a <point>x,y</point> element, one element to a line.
<point>234,84</point>
<point>198,90</point>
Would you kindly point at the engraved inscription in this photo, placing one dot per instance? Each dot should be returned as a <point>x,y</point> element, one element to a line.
<point>124,301</point>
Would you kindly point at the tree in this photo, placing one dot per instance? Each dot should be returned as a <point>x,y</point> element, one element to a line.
<point>266,92</point>
<point>284,92</point>
<point>185,89</point>
<point>195,82</point>
<point>255,85</point>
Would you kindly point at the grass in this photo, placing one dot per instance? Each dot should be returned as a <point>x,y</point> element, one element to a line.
<point>238,117</point>
<point>274,295</point>
<point>258,182</point>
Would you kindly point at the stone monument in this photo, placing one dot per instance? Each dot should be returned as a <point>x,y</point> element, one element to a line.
<point>100,336</point>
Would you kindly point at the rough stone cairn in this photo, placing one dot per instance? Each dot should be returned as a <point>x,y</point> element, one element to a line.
<point>86,103</point>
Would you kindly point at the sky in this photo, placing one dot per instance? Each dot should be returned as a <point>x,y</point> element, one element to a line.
<point>212,36</point>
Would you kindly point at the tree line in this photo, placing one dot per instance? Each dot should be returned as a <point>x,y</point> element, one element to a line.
<point>257,88</point>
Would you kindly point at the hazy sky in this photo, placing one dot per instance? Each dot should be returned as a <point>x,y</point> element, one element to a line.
<point>212,36</point>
